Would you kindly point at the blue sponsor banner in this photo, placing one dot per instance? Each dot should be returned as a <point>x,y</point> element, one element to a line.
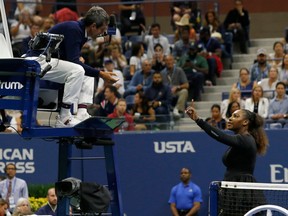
<point>149,165</point>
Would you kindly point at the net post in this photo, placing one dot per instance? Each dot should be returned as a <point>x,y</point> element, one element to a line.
<point>213,198</point>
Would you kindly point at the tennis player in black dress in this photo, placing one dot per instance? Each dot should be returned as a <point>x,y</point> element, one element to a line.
<point>248,140</point>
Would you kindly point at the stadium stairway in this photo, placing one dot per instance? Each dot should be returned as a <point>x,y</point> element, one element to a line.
<point>213,94</point>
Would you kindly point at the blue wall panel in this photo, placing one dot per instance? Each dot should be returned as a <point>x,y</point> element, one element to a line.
<point>149,165</point>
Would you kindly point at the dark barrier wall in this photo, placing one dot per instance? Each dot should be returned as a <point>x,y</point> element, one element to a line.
<point>149,165</point>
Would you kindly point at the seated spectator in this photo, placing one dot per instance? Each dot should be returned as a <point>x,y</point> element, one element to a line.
<point>196,69</point>
<point>261,67</point>
<point>269,84</point>
<point>34,29</point>
<point>216,119</point>
<point>64,14</point>
<point>257,103</point>
<point>232,107</point>
<point>131,15</point>
<point>158,62</point>
<point>181,47</point>
<point>107,105</point>
<point>275,58</point>
<point>176,78</point>
<point>278,107</point>
<point>210,48</point>
<point>119,60</point>
<point>19,30</point>
<point>143,114</point>
<point>51,207</point>
<point>120,112</point>
<point>212,21</point>
<point>23,207</point>
<point>4,208</point>
<point>180,10</point>
<point>234,95</point>
<point>137,56</point>
<point>159,97</point>
<point>244,84</point>
<point>154,38</point>
<point>180,25</point>
<point>237,21</point>
<point>48,23</point>
<point>109,66</point>
<point>283,73</point>
<point>141,79</point>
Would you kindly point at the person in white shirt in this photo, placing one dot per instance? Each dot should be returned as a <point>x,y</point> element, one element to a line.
<point>156,38</point>
<point>269,84</point>
<point>257,103</point>
<point>109,66</point>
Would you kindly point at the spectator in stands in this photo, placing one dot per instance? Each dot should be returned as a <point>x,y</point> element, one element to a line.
<point>237,21</point>
<point>196,69</point>
<point>13,188</point>
<point>269,84</point>
<point>216,119</point>
<point>64,14</point>
<point>120,112</point>
<point>180,10</point>
<point>131,15</point>
<point>232,107</point>
<point>278,107</point>
<point>107,105</point>
<point>4,207</point>
<point>154,38</point>
<point>109,66</point>
<point>184,23</point>
<point>19,30</point>
<point>234,95</point>
<point>71,69</point>
<point>212,21</point>
<point>260,69</point>
<point>23,207</point>
<point>176,78</point>
<point>34,7</point>
<point>159,97</point>
<point>135,63</point>
<point>244,84</point>
<point>283,74</point>
<point>257,103</point>
<point>276,58</point>
<point>141,79</point>
<point>210,48</point>
<point>48,23</point>
<point>34,29</point>
<point>158,62</point>
<point>119,60</point>
<point>185,197</point>
<point>182,46</point>
<point>143,114</point>
<point>249,140</point>
<point>51,206</point>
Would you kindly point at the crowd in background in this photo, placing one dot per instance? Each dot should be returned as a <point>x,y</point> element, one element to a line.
<point>158,74</point>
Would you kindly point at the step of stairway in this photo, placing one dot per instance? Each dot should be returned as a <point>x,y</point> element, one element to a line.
<point>244,58</point>
<point>260,42</point>
<point>230,73</point>
<point>217,88</point>
<point>238,65</point>
<point>217,96</point>
<point>226,80</point>
<point>253,50</point>
<point>204,104</point>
